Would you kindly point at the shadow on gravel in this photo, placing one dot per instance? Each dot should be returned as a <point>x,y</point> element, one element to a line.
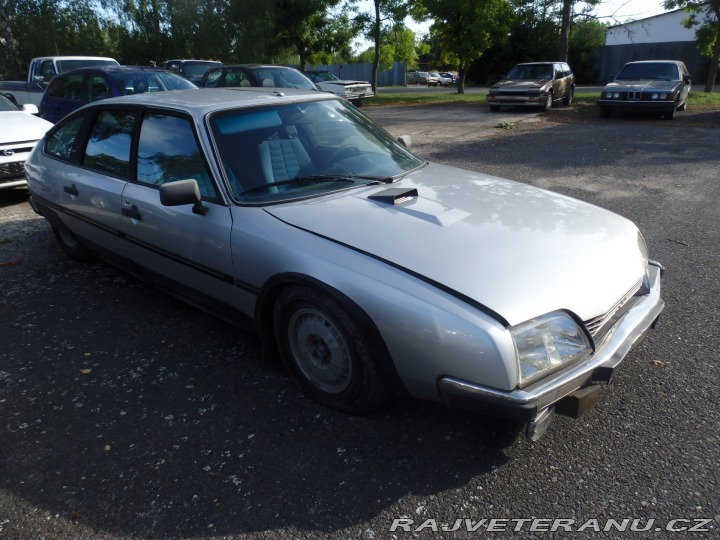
<point>137,415</point>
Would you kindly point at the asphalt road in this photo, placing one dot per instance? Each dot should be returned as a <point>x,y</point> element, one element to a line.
<point>127,414</point>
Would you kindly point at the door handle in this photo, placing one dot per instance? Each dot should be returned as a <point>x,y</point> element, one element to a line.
<point>72,190</point>
<point>132,213</point>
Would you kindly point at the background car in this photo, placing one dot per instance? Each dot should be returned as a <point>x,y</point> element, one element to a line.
<point>658,86</point>
<point>534,84</point>
<point>441,79</point>
<point>269,76</point>
<point>192,70</point>
<point>452,76</point>
<point>20,132</point>
<point>354,91</point>
<point>74,89</point>
<point>421,77</point>
<point>256,206</point>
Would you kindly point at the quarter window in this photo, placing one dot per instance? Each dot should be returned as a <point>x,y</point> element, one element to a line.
<point>108,148</point>
<point>62,144</point>
<point>168,151</point>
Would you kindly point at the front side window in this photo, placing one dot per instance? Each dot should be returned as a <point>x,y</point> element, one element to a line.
<point>108,148</point>
<point>62,142</point>
<point>168,151</point>
<point>69,88</point>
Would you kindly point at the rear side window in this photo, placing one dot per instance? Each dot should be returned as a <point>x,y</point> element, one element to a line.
<point>168,151</point>
<point>62,144</point>
<point>108,148</point>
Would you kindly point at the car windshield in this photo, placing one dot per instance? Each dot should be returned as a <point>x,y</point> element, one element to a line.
<point>531,71</point>
<point>273,154</point>
<point>659,71</point>
<point>7,105</point>
<point>323,76</point>
<point>139,82</point>
<point>198,69</point>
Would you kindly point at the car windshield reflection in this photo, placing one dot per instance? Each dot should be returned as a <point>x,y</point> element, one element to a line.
<point>271,154</point>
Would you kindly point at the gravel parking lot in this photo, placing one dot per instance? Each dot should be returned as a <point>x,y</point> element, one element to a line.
<point>127,414</point>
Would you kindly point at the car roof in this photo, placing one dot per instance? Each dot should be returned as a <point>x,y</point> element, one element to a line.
<point>113,69</point>
<point>200,101</point>
<point>252,66</point>
<point>656,62</point>
<point>189,60</point>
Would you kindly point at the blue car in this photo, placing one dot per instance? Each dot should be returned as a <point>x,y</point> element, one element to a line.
<point>73,89</point>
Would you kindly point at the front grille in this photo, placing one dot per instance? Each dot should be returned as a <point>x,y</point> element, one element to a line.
<point>11,170</point>
<point>598,325</point>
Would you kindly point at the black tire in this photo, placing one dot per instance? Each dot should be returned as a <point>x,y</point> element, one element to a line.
<point>548,102</point>
<point>568,99</point>
<point>683,106</point>
<point>495,108</point>
<point>604,113</point>
<point>326,353</point>
<point>670,115</point>
<point>71,245</point>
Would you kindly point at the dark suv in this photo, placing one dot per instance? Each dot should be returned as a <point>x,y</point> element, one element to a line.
<point>535,84</point>
<point>192,70</point>
<point>73,89</point>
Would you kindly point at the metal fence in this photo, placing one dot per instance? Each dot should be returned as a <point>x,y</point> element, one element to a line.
<point>611,58</point>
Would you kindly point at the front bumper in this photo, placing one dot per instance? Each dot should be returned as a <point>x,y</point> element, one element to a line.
<point>615,105</point>
<point>518,100</point>
<point>532,402</point>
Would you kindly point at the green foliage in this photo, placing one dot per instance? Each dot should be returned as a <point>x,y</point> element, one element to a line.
<point>466,28</point>
<point>585,38</point>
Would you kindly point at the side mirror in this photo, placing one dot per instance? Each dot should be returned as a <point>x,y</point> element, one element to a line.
<point>183,192</point>
<point>30,108</point>
<point>405,140</point>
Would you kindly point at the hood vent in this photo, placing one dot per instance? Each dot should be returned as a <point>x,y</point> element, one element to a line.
<point>395,196</point>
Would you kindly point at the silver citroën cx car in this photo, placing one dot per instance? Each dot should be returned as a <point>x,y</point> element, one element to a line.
<point>365,268</point>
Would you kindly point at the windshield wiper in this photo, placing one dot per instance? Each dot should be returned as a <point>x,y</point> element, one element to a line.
<point>303,180</point>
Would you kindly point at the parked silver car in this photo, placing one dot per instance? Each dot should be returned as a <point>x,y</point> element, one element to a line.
<point>365,268</point>
<point>657,86</point>
<point>421,77</point>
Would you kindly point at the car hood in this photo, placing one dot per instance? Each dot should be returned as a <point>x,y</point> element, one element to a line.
<point>641,84</point>
<point>21,126</point>
<point>518,250</point>
<point>520,84</point>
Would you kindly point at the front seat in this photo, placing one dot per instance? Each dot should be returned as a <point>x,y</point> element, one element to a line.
<point>285,157</point>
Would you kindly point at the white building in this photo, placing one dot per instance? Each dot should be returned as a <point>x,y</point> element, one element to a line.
<point>662,37</point>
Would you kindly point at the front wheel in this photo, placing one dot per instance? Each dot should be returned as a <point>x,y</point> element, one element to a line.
<point>495,108</point>
<point>548,103</point>
<point>326,353</point>
<point>568,99</point>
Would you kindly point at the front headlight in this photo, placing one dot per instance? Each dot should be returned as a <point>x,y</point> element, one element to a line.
<point>547,343</point>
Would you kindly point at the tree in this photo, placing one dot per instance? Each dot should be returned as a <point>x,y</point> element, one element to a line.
<point>466,28</point>
<point>566,20</point>
<point>705,15</point>
<point>386,15</point>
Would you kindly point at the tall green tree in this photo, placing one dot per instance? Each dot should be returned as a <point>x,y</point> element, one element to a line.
<point>308,26</point>
<point>50,27</point>
<point>466,28</point>
<point>385,15</point>
<point>704,15</point>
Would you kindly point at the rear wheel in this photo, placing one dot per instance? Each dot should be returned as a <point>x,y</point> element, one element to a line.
<point>71,245</point>
<point>326,353</point>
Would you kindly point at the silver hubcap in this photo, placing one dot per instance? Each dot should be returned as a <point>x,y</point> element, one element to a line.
<point>320,350</point>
